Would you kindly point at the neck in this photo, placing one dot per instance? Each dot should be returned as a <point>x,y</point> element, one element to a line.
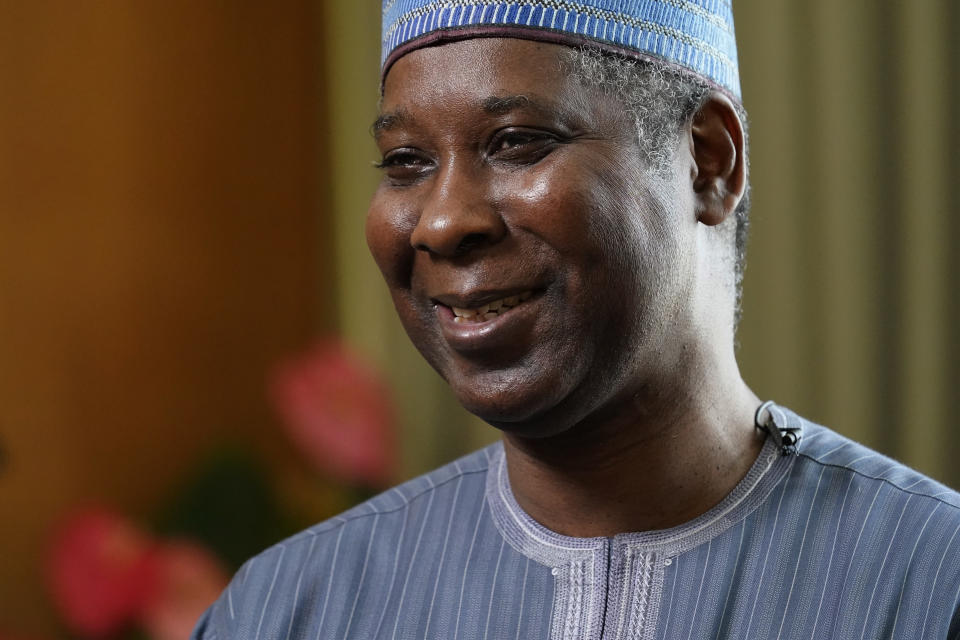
<point>651,461</point>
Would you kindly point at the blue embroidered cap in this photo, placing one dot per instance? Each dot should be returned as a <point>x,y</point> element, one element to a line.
<point>696,35</point>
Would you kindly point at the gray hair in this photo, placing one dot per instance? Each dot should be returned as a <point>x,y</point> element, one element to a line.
<point>660,99</point>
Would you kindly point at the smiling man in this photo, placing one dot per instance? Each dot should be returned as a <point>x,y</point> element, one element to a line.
<point>561,225</point>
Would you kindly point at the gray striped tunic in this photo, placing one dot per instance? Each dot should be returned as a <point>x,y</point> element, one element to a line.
<point>835,542</point>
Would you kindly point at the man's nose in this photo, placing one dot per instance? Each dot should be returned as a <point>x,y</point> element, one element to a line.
<point>457,216</point>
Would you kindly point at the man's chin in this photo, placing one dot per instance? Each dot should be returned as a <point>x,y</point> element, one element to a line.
<point>533,396</point>
<point>525,415</point>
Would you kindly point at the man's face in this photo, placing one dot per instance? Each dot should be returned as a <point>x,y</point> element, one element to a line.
<point>507,182</point>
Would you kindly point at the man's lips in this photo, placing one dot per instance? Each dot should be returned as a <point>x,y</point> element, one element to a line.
<point>485,311</point>
<point>476,298</point>
<point>488,321</point>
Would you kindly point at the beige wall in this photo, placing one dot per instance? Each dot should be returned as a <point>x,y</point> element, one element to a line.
<point>158,249</point>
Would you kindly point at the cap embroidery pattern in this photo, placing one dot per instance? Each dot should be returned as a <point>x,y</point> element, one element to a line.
<point>697,35</point>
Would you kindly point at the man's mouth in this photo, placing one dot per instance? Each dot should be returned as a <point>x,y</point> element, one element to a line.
<point>491,310</point>
<point>490,324</point>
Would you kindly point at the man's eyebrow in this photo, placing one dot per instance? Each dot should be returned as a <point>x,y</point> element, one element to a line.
<point>494,105</point>
<point>502,105</point>
<point>499,105</point>
<point>387,121</point>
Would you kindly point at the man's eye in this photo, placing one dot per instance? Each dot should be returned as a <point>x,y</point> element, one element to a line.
<point>402,159</point>
<point>511,140</point>
<point>521,146</point>
<point>404,167</point>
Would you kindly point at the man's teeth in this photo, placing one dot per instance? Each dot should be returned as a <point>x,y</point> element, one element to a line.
<point>491,310</point>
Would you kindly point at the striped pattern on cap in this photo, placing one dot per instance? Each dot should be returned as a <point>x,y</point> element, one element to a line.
<point>696,35</point>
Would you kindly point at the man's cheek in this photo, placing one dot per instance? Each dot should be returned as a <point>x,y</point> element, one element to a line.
<point>388,229</point>
<point>557,205</point>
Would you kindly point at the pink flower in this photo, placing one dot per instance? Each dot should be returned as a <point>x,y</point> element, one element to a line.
<point>337,411</point>
<point>101,571</point>
<point>189,580</point>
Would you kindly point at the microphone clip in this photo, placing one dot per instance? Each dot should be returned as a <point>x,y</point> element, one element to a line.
<point>770,419</point>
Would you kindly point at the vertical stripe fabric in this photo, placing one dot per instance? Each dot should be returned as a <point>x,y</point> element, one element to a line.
<point>697,35</point>
<point>834,542</point>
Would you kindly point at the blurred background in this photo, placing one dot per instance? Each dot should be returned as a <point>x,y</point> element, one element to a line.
<point>189,316</point>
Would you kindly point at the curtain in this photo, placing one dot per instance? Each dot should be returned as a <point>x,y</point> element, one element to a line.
<point>850,303</point>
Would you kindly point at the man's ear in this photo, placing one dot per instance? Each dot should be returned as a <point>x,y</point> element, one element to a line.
<point>720,177</point>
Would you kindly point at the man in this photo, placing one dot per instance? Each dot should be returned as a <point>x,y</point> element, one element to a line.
<point>561,224</point>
